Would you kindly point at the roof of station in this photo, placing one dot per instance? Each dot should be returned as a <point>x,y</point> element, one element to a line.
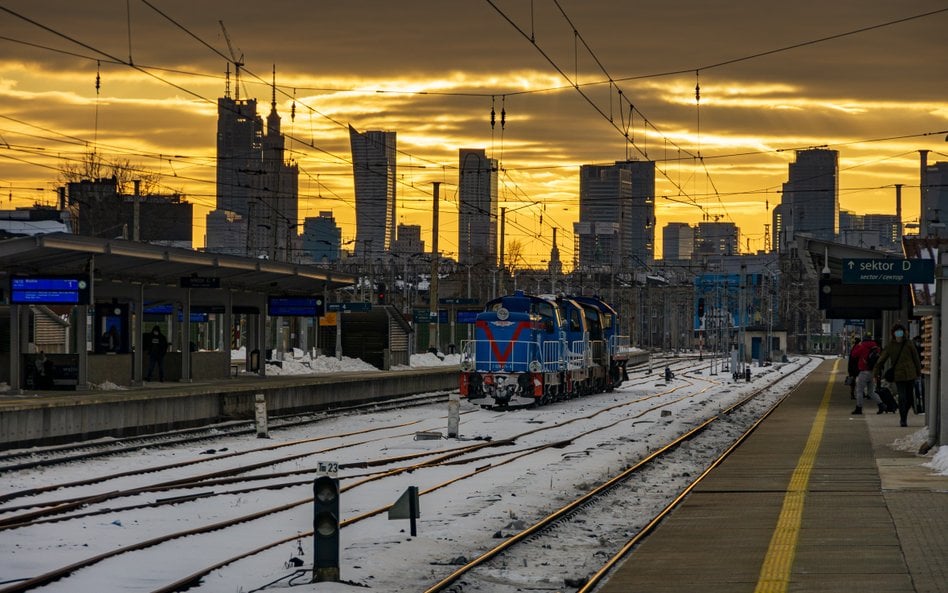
<point>830,254</point>
<point>129,261</point>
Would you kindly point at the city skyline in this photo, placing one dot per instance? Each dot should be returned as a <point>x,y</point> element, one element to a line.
<point>433,73</point>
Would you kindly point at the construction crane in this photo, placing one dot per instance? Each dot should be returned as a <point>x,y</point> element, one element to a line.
<point>237,62</point>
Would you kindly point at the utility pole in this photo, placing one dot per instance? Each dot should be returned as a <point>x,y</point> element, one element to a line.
<point>503,267</point>
<point>136,211</point>
<point>433,285</point>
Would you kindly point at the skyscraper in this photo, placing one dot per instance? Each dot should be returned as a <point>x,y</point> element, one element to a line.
<point>717,238</point>
<point>934,198</point>
<point>874,231</point>
<point>373,169</point>
<point>810,201</point>
<point>678,240</point>
<point>322,238</point>
<point>477,208</point>
<point>254,184</point>
<point>638,230</point>
<point>616,225</point>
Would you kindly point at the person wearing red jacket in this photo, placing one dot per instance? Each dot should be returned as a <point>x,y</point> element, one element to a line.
<point>865,386</point>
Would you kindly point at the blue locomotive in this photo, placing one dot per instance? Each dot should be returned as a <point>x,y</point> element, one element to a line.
<point>534,349</point>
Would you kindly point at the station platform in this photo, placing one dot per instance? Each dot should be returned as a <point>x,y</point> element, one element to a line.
<point>40,418</point>
<point>816,500</point>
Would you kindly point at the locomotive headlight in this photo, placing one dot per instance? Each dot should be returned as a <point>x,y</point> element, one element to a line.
<point>535,366</point>
<point>467,366</point>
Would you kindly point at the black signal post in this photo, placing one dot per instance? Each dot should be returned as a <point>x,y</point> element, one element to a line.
<point>326,529</point>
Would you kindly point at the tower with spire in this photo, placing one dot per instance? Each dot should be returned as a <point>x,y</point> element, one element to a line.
<point>257,188</point>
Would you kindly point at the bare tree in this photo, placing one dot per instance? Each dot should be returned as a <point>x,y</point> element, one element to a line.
<point>92,217</point>
<point>93,167</point>
<point>514,253</point>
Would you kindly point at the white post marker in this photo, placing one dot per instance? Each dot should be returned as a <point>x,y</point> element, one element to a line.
<point>454,414</point>
<point>260,415</point>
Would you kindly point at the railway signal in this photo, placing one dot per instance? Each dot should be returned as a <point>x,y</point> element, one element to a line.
<point>326,528</point>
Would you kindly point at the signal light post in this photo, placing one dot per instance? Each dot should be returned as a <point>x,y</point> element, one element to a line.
<point>326,529</point>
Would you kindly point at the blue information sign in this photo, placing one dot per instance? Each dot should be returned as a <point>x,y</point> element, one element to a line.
<point>295,306</point>
<point>467,316</point>
<point>49,290</point>
<point>888,271</point>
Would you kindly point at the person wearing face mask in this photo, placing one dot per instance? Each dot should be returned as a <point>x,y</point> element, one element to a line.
<point>905,366</point>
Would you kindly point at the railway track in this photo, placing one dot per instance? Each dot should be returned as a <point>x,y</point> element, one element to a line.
<point>61,454</point>
<point>587,518</point>
<point>484,456</point>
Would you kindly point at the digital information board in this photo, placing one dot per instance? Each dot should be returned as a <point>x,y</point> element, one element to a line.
<point>295,306</point>
<point>49,290</point>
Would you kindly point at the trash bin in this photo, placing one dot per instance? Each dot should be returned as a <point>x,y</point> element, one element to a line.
<point>254,360</point>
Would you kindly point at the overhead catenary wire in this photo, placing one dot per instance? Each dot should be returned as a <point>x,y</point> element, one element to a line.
<point>644,136</point>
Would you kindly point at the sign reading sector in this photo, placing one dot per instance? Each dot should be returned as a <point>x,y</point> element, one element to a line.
<point>355,307</point>
<point>888,271</point>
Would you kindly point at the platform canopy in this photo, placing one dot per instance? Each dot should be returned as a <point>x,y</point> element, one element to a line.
<point>134,262</point>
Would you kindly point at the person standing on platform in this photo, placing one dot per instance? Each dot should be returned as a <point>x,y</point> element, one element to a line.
<point>866,353</point>
<point>853,368</point>
<point>157,345</point>
<point>905,366</point>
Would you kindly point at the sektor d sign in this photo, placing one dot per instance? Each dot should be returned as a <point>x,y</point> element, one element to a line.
<point>888,271</point>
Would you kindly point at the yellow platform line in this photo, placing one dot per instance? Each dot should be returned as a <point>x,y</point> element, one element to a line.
<point>778,563</point>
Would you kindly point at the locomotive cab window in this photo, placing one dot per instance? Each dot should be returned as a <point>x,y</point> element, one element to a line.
<point>594,323</point>
<point>547,316</point>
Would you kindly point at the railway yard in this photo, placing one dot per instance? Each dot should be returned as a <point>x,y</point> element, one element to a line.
<point>527,499</point>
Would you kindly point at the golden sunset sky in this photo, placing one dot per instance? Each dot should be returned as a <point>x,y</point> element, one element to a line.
<point>432,70</point>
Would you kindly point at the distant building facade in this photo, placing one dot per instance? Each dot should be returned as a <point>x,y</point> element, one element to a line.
<point>226,233</point>
<point>616,225</point>
<point>322,238</point>
<point>477,208</point>
<point>638,229</point>
<point>101,211</point>
<point>717,238</point>
<point>408,241</point>
<point>678,240</point>
<point>373,169</point>
<point>874,231</point>
<point>255,184</point>
<point>934,198</point>
<point>810,200</point>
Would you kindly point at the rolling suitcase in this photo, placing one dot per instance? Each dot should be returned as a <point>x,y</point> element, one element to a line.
<point>918,400</point>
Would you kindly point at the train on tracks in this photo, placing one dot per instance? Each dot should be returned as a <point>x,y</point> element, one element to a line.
<point>535,349</point>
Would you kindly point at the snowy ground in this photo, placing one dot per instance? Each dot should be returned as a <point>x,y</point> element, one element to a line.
<point>458,520</point>
<point>299,362</point>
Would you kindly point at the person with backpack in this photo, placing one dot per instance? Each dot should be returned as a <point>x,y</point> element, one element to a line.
<point>867,354</point>
<point>852,368</point>
<point>905,367</point>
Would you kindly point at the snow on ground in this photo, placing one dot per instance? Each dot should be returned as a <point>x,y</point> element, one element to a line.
<point>299,362</point>
<point>939,462</point>
<point>378,553</point>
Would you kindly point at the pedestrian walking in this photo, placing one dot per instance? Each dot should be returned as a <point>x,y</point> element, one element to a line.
<point>905,367</point>
<point>867,354</point>
<point>852,368</point>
